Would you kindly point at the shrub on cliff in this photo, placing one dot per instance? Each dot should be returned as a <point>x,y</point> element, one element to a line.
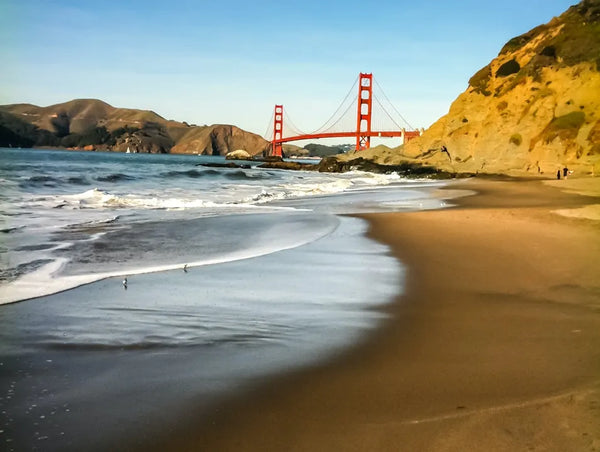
<point>96,135</point>
<point>516,43</point>
<point>479,81</point>
<point>516,139</point>
<point>508,68</point>
<point>92,136</point>
<point>10,138</point>
<point>322,150</point>
<point>565,126</point>
<point>549,51</point>
<point>580,40</point>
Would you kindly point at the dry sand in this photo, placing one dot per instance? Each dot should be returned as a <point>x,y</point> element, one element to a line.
<point>494,346</point>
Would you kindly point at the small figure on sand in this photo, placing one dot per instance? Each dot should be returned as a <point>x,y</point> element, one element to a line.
<point>125,284</point>
<point>558,174</point>
<point>565,172</point>
<point>185,268</point>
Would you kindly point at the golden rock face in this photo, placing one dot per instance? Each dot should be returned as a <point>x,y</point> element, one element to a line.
<point>535,108</point>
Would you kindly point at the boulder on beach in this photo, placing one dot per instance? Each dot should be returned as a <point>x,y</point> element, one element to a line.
<point>238,154</point>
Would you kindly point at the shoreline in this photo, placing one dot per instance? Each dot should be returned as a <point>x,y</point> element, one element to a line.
<point>495,344</point>
<point>28,286</point>
<point>101,366</point>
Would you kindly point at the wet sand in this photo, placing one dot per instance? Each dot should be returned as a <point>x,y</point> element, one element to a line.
<point>495,344</point>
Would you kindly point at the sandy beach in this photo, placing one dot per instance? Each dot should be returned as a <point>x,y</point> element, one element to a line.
<point>495,344</point>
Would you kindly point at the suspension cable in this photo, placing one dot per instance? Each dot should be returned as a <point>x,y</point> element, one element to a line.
<point>269,132</point>
<point>294,127</point>
<point>342,116</point>
<point>397,112</point>
<point>386,112</point>
<point>338,109</point>
<point>329,124</point>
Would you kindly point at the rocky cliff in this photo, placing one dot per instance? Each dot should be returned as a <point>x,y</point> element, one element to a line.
<point>93,124</point>
<point>219,140</point>
<point>533,109</point>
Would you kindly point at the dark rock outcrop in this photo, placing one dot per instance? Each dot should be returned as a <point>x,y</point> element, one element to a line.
<point>333,165</point>
<point>296,166</point>
<point>224,165</point>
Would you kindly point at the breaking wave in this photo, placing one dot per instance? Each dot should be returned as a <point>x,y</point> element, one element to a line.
<point>238,174</point>
<point>95,198</point>
<point>117,177</point>
<point>54,182</point>
<point>193,173</point>
<point>40,181</point>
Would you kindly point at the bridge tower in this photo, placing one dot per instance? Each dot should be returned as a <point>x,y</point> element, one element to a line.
<point>363,116</point>
<point>276,145</point>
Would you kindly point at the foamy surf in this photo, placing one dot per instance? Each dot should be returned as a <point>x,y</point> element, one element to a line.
<point>141,217</point>
<point>49,278</point>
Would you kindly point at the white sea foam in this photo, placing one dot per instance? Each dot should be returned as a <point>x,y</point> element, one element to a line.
<point>372,179</point>
<point>316,185</point>
<point>97,222</point>
<point>41,215</point>
<point>95,198</point>
<point>302,190</point>
<point>47,279</point>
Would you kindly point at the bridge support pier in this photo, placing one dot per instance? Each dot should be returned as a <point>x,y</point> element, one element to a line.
<point>276,144</point>
<point>363,116</point>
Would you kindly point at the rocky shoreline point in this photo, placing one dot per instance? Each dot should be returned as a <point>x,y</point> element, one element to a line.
<point>335,165</point>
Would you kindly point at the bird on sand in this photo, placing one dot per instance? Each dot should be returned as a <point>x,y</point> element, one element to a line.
<point>185,268</point>
<point>125,283</point>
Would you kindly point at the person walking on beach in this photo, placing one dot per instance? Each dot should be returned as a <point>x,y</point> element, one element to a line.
<point>565,172</point>
<point>558,174</point>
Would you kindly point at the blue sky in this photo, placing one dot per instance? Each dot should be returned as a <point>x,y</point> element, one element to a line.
<point>231,61</point>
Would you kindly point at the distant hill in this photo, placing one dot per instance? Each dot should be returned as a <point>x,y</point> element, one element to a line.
<point>534,109</point>
<point>321,150</point>
<point>315,150</point>
<point>95,125</point>
<point>291,150</point>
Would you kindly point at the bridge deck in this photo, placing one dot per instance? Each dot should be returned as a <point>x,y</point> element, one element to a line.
<point>384,134</point>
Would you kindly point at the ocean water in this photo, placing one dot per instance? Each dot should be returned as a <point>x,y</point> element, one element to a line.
<point>277,276</point>
<point>68,218</point>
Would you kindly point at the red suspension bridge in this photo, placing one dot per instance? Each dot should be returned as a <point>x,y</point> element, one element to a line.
<point>368,119</point>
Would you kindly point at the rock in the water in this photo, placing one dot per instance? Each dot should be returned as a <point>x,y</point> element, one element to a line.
<point>269,158</point>
<point>223,165</point>
<point>239,154</point>
<point>289,165</point>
